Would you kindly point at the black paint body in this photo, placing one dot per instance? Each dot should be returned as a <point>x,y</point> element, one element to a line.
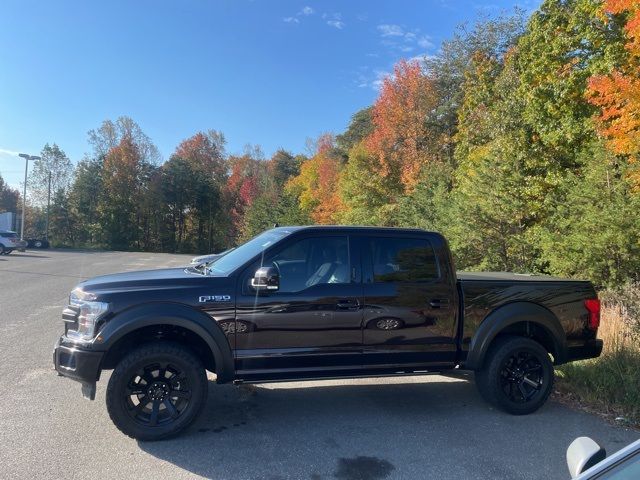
<point>333,329</point>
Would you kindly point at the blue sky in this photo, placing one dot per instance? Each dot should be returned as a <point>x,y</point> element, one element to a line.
<point>271,73</point>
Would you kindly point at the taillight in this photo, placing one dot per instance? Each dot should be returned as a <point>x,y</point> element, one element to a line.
<point>593,307</point>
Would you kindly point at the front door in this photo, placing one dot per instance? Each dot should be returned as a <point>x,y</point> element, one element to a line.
<point>312,324</point>
<point>409,311</point>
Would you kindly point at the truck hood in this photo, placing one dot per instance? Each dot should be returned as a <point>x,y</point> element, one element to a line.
<point>146,279</point>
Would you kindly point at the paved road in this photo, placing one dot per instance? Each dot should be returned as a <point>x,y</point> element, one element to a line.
<point>404,428</point>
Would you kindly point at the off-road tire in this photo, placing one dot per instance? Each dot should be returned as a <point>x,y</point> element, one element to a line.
<point>126,378</point>
<point>510,369</point>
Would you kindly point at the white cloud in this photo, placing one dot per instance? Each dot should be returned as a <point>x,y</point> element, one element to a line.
<point>390,30</point>
<point>4,151</point>
<point>425,42</point>
<point>291,20</point>
<point>421,58</point>
<point>334,20</point>
<point>306,11</point>
<point>398,38</point>
<point>381,76</point>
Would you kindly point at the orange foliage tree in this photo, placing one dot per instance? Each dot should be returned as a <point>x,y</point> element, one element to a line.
<point>316,186</point>
<point>205,153</point>
<point>618,94</point>
<point>402,139</point>
<point>244,184</point>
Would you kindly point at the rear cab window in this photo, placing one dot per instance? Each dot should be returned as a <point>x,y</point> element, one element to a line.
<point>399,259</point>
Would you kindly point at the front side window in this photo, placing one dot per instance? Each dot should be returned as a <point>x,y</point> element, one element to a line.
<point>402,260</point>
<point>312,261</point>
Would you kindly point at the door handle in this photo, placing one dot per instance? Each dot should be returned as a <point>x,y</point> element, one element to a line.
<point>348,304</point>
<point>439,303</point>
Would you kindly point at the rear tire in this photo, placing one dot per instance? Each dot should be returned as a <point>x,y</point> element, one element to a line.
<point>517,375</point>
<point>156,391</point>
<point>2,249</point>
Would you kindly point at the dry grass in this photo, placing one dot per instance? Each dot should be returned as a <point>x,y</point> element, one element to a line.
<point>610,384</point>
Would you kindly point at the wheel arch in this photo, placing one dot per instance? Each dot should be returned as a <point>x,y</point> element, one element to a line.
<point>525,319</point>
<point>172,322</point>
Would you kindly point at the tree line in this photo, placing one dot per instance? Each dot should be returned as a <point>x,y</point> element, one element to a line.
<point>519,141</point>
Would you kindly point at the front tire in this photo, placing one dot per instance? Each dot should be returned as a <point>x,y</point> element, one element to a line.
<point>156,391</point>
<point>517,375</point>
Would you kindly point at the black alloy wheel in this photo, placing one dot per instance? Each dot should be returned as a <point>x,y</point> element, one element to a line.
<point>522,377</point>
<point>157,394</point>
<point>156,391</point>
<point>517,375</point>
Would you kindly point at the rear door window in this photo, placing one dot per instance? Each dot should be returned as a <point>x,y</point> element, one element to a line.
<point>402,260</point>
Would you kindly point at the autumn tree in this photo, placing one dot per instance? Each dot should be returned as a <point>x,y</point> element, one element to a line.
<point>490,37</point>
<point>205,156</point>
<point>125,176</point>
<point>366,196</point>
<point>110,135</point>
<point>402,139</point>
<point>274,204</point>
<point>359,128</point>
<point>316,186</point>
<point>206,153</point>
<point>248,178</point>
<point>282,166</point>
<point>617,94</point>
<point>566,43</point>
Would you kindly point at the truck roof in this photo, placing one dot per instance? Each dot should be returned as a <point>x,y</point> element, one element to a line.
<point>368,228</point>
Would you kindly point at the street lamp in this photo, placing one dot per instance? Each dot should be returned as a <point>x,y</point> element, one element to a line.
<point>24,191</point>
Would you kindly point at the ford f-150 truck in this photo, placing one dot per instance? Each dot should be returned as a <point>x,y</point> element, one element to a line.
<point>319,302</point>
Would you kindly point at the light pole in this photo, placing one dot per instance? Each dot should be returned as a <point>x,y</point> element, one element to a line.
<point>24,190</point>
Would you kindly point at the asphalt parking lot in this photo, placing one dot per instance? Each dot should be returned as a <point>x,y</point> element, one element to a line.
<point>432,427</point>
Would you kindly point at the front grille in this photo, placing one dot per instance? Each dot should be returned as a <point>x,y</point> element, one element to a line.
<point>70,317</point>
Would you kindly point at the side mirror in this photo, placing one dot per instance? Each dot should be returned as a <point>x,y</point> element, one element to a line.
<point>582,454</point>
<point>266,278</point>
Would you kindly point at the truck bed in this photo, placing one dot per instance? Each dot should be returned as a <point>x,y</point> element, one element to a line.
<point>483,292</point>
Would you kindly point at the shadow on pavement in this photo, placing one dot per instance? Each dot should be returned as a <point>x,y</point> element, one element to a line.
<point>426,429</point>
<point>28,255</point>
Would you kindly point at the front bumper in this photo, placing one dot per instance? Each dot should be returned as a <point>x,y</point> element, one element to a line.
<point>78,364</point>
<point>590,349</point>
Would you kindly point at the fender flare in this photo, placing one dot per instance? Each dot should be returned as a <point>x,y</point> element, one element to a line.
<point>510,314</point>
<point>177,315</point>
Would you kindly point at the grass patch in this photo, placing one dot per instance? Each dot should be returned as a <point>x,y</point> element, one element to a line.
<point>610,384</point>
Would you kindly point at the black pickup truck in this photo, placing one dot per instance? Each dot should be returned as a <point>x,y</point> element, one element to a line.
<point>319,302</point>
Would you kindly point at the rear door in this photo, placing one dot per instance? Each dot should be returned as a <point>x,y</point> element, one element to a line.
<point>409,315</point>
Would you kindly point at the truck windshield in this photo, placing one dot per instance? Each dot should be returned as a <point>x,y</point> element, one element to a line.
<point>245,252</point>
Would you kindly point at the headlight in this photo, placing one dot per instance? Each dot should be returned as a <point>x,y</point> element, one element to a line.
<point>90,313</point>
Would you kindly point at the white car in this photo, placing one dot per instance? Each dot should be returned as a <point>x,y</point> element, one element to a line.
<point>9,241</point>
<point>588,461</point>
<point>203,259</point>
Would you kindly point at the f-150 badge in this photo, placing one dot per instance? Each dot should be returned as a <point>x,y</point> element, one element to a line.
<point>214,298</point>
